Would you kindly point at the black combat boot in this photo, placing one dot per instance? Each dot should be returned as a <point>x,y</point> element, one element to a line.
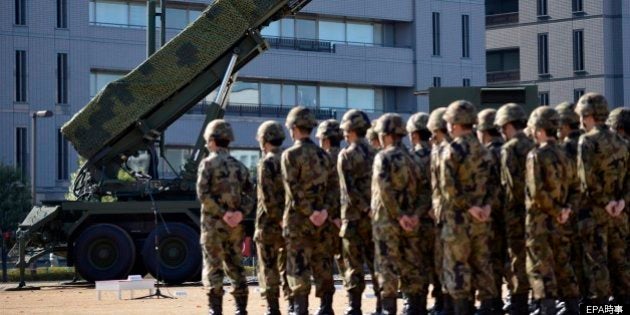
<point>290,306</point>
<point>487,307</point>
<point>461,306</point>
<point>215,304</point>
<point>325,308</point>
<point>572,306</point>
<point>389,306</point>
<point>415,304</point>
<point>548,307</point>
<point>379,306</point>
<point>300,305</point>
<point>448,309</point>
<point>354,302</point>
<point>273,307</point>
<point>438,306</point>
<point>241,305</point>
<point>518,304</point>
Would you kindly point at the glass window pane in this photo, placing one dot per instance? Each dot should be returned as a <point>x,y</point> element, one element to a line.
<point>360,33</point>
<point>378,34</point>
<point>137,14</point>
<point>306,29</point>
<point>332,31</point>
<point>111,12</point>
<point>361,99</point>
<point>493,62</point>
<point>272,30</point>
<point>288,95</point>
<point>288,27</point>
<point>270,94</point>
<point>92,13</point>
<point>379,100</point>
<point>193,15</point>
<point>176,18</point>
<point>245,93</point>
<point>103,78</point>
<point>511,60</point>
<point>307,95</point>
<point>332,97</point>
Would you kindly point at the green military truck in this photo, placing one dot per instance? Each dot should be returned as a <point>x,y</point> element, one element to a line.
<point>110,240</point>
<point>486,97</point>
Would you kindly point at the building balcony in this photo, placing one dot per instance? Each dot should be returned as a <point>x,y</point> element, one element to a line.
<point>300,44</point>
<point>503,76</point>
<point>501,19</point>
<point>263,110</point>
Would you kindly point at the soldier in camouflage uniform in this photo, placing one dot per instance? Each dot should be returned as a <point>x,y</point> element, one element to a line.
<point>307,181</point>
<point>393,190</point>
<point>602,167</point>
<point>439,140</point>
<point>490,137</point>
<point>464,172</point>
<point>268,234</point>
<point>355,175</point>
<point>226,196</point>
<point>330,136</point>
<point>424,239</point>
<point>512,119</point>
<point>550,196</point>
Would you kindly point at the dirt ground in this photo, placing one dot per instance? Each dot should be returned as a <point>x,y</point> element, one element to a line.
<point>55,298</point>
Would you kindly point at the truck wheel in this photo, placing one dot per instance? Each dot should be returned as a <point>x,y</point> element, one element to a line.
<point>179,255</point>
<point>104,252</point>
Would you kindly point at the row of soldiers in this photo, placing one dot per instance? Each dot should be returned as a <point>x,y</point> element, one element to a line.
<point>527,200</point>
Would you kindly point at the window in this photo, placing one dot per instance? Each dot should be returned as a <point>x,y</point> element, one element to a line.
<point>20,12</point>
<point>176,18</point>
<point>363,99</point>
<point>307,95</point>
<point>270,94</point>
<point>541,8</point>
<point>100,78</point>
<point>245,93</point>
<point>178,157</point>
<point>21,158</point>
<point>543,98</point>
<point>465,36</point>
<point>249,158</point>
<point>578,6</point>
<point>305,29</point>
<point>134,14</point>
<point>436,33</point>
<point>503,60</point>
<point>494,7</point>
<point>62,78</point>
<point>271,30</point>
<point>466,82</point>
<point>360,33</point>
<point>62,156</point>
<point>543,54</point>
<point>437,82</point>
<point>288,94</point>
<point>335,97</point>
<point>20,76</point>
<point>62,13</point>
<point>578,50</point>
<point>332,31</point>
<point>577,93</point>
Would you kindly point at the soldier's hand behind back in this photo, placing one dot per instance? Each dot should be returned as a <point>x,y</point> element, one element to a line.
<point>621,205</point>
<point>478,214</point>
<point>610,208</point>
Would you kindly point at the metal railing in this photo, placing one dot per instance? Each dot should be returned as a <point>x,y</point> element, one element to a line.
<point>500,19</point>
<point>503,76</point>
<point>300,44</point>
<point>264,110</point>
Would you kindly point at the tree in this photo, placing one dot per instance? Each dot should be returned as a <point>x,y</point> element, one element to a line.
<point>15,198</point>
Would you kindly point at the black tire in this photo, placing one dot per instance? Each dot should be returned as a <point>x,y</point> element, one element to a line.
<point>104,252</point>
<point>180,253</point>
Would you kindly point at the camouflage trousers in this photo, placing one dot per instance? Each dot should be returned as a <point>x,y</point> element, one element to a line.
<point>467,258</point>
<point>272,273</point>
<point>548,264</point>
<point>498,249</point>
<point>358,250</point>
<point>310,255</point>
<point>428,253</point>
<point>571,253</point>
<point>397,261</point>
<point>518,282</point>
<point>439,257</point>
<point>336,250</point>
<point>605,253</point>
<point>221,247</point>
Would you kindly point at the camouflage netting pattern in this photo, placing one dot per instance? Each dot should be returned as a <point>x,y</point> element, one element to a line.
<point>126,100</point>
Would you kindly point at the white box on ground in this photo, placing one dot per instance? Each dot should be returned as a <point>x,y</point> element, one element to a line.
<point>122,285</point>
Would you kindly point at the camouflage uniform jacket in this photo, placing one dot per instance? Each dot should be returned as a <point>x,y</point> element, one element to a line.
<point>437,202</point>
<point>223,185</point>
<point>513,159</point>
<point>602,165</point>
<point>570,146</point>
<point>421,155</point>
<point>464,172</point>
<point>270,192</point>
<point>355,175</point>
<point>494,188</point>
<point>335,191</point>
<point>393,185</point>
<point>306,177</point>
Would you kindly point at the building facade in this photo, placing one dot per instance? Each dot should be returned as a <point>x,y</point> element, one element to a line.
<point>334,55</point>
<point>566,47</point>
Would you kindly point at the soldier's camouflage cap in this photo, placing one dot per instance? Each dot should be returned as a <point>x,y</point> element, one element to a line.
<point>461,113</point>
<point>544,117</point>
<point>485,119</point>
<point>566,112</point>
<point>270,130</point>
<point>355,120</point>
<point>508,113</point>
<point>619,118</point>
<point>329,129</point>
<point>436,120</point>
<point>219,129</point>
<point>390,124</point>
<point>593,104</point>
<point>301,117</point>
<point>417,122</point>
